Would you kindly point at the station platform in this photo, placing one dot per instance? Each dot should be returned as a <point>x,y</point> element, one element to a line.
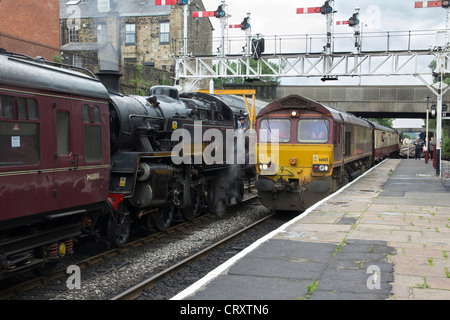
<point>384,236</point>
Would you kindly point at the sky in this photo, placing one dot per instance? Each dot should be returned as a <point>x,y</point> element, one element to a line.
<point>271,17</point>
<point>279,17</point>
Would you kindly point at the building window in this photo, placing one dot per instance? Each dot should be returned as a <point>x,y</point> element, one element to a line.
<point>102,33</point>
<point>74,35</point>
<point>77,61</point>
<point>103,5</point>
<point>130,60</point>
<point>130,33</point>
<point>164,32</point>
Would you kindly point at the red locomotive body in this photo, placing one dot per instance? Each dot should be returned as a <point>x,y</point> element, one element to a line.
<point>318,149</point>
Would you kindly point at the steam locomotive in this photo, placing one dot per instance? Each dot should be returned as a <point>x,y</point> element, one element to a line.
<point>78,158</point>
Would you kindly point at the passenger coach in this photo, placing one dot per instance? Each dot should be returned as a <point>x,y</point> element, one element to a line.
<point>54,159</point>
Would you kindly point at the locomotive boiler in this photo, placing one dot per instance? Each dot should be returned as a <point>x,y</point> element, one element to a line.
<point>153,190</point>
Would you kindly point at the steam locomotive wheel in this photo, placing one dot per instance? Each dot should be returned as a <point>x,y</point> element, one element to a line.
<point>119,227</point>
<point>163,218</point>
<point>217,201</point>
<point>194,209</point>
<point>239,197</point>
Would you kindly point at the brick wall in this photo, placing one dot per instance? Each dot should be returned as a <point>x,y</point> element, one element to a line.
<point>30,27</point>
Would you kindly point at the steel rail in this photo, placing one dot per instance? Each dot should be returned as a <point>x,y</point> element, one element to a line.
<point>42,281</point>
<point>135,291</point>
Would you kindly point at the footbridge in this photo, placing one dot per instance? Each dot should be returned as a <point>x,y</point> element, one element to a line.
<point>370,101</point>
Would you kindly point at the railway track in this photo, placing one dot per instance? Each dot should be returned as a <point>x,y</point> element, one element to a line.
<point>135,291</point>
<point>22,290</point>
<point>42,281</point>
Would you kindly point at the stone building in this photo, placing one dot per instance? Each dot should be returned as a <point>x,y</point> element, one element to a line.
<point>141,32</point>
<point>24,30</point>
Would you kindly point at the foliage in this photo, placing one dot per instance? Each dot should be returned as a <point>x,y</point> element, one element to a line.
<point>57,58</point>
<point>141,83</point>
<point>387,122</point>
<point>219,83</point>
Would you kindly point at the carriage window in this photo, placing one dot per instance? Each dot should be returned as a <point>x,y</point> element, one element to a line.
<point>92,133</point>
<point>86,113</point>
<point>63,133</point>
<point>28,109</point>
<point>96,114</point>
<point>22,108</point>
<point>6,107</point>
<point>19,143</point>
<point>19,140</point>
<point>313,130</point>
<point>275,130</point>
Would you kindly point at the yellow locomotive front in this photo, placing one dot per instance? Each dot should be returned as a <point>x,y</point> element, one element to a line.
<point>295,153</point>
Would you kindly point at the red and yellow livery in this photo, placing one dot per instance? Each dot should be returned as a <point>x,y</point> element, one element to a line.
<point>307,150</point>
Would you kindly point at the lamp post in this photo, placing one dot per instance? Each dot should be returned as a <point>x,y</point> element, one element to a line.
<point>426,134</point>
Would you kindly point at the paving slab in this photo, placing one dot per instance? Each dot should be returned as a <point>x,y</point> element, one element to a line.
<point>385,236</point>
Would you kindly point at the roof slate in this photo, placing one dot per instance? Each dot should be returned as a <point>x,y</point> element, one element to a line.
<point>126,8</point>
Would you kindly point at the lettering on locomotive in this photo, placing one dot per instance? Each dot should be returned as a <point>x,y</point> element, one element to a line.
<point>93,176</point>
<point>320,158</point>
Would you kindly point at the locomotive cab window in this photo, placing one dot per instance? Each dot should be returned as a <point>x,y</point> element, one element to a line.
<point>313,130</point>
<point>19,131</point>
<point>275,130</point>
<point>92,133</point>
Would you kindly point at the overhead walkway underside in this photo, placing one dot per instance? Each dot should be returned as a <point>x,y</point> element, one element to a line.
<point>370,101</point>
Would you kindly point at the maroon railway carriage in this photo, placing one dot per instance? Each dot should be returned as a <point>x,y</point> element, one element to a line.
<point>386,141</point>
<point>54,159</point>
<point>352,143</point>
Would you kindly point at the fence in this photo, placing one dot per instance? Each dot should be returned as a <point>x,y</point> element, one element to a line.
<point>314,43</point>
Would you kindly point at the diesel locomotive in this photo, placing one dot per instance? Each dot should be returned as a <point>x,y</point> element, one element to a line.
<point>307,151</point>
<point>78,158</point>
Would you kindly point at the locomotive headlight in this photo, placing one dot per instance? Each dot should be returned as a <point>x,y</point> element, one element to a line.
<point>320,168</point>
<point>264,166</point>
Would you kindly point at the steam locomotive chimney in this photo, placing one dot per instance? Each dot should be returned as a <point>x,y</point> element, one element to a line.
<point>110,79</point>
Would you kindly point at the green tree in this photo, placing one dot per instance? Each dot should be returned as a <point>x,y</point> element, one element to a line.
<point>387,122</point>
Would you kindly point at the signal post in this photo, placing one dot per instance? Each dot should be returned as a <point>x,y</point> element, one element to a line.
<point>439,88</point>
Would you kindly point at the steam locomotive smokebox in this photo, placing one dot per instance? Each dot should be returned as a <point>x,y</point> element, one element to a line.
<point>110,79</point>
